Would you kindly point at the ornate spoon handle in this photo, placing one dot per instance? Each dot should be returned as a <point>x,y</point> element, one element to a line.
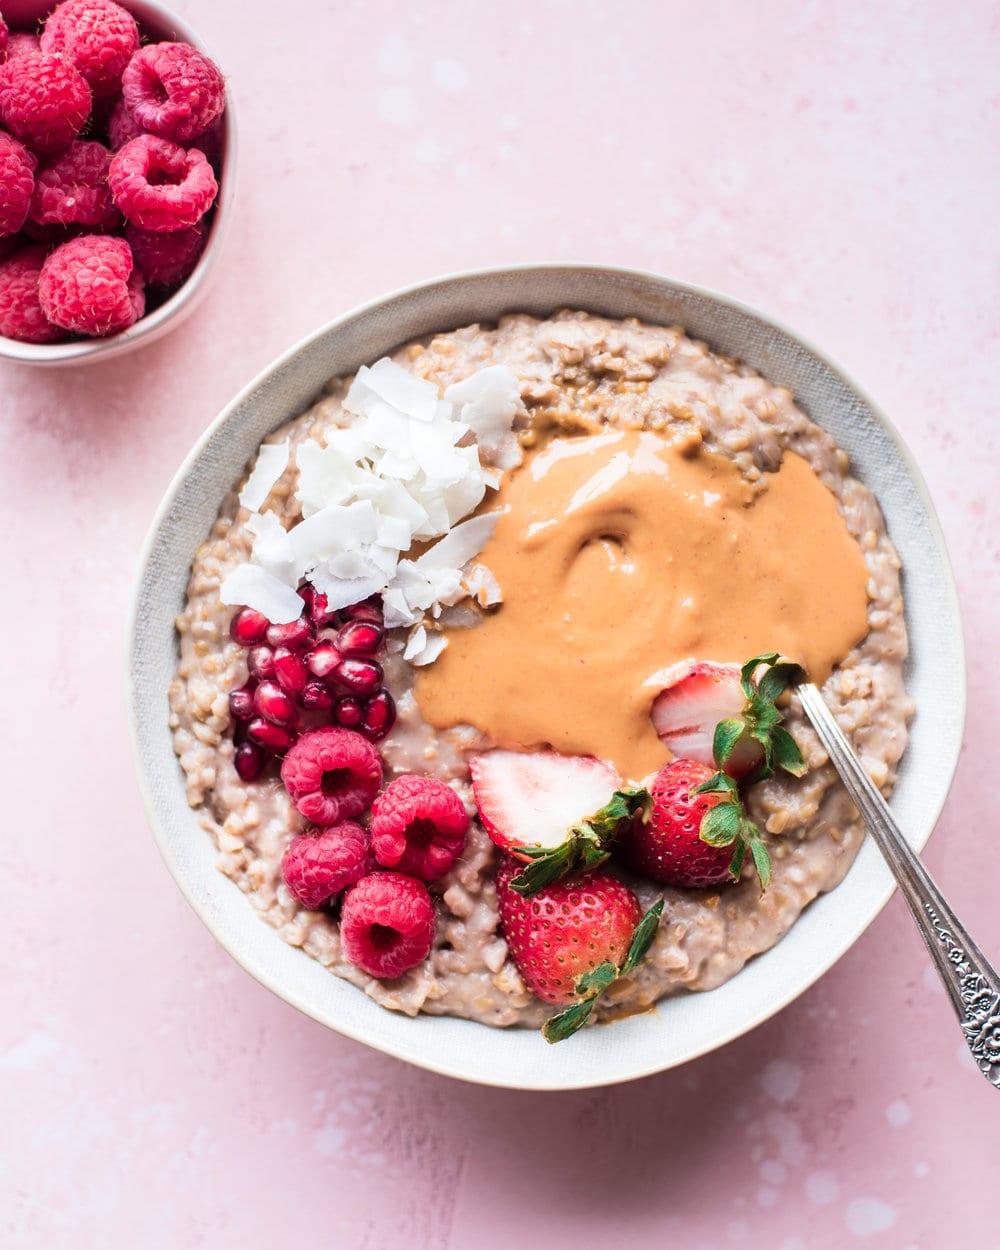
<point>972,983</point>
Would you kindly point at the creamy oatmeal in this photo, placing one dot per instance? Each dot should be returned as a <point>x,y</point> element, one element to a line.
<point>638,392</point>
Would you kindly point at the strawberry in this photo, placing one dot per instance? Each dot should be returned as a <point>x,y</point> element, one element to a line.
<point>571,939</point>
<point>696,833</point>
<point>717,713</point>
<point>555,812</point>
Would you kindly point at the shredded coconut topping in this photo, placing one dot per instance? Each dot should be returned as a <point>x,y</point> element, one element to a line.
<point>408,468</point>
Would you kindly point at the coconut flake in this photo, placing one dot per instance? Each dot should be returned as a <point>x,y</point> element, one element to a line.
<point>272,548</point>
<point>489,400</point>
<point>272,460</point>
<point>331,531</point>
<point>430,651</point>
<point>460,545</point>
<point>483,586</point>
<point>253,587</point>
<point>416,397</point>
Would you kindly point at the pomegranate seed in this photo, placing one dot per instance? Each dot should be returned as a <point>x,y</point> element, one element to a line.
<point>380,715</point>
<point>274,704</point>
<point>274,738</point>
<point>361,676</point>
<point>290,670</point>
<point>260,662</point>
<point>370,610</point>
<point>241,703</point>
<point>348,712</point>
<point>248,627</point>
<point>315,697</point>
<point>360,638</point>
<point>323,659</point>
<point>315,602</point>
<point>249,760</point>
<point>296,635</point>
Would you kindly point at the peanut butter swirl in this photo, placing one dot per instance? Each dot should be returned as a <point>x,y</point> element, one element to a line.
<point>621,553</point>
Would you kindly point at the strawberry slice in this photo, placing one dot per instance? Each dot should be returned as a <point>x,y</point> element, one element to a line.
<point>724,715</point>
<point>558,813</point>
<point>697,695</point>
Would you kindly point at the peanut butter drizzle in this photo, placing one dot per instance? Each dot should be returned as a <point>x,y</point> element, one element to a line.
<point>621,553</point>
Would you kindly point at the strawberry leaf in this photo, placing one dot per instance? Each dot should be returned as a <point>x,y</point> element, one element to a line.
<point>565,1024</point>
<point>718,783</point>
<point>549,864</point>
<point>786,752</point>
<point>761,719</point>
<point>761,860</point>
<point>586,844</point>
<point>727,734</point>
<point>642,938</point>
<point>596,981</point>
<point>736,863</point>
<point>720,826</point>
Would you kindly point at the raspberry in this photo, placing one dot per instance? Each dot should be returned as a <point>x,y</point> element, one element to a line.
<point>43,100</point>
<point>122,126</point>
<point>97,36</point>
<point>20,42</point>
<point>166,257</point>
<point>332,775</point>
<point>72,189</point>
<point>17,177</point>
<point>89,285</point>
<point>173,91</point>
<point>21,315</point>
<point>418,826</point>
<point>160,186</point>
<point>320,864</point>
<point>387,924</point>
<point>4,38</point>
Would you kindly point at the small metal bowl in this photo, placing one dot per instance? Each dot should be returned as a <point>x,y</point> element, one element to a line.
<point>156,23</point>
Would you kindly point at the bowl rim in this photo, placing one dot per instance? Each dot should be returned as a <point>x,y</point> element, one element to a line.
<point>192,289</point>
<point>769,1006</point>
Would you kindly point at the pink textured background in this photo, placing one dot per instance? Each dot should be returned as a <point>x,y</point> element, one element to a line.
<point>834,164</point>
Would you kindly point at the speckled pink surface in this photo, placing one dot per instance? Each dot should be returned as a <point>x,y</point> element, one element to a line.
<point>835,165</point>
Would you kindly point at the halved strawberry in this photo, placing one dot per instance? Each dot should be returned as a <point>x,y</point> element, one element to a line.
<point>697,695</point>
<point>554,812</point>
<point>724,716</point>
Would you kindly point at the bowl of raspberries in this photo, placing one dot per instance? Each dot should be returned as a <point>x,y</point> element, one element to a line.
<point>116,153</point>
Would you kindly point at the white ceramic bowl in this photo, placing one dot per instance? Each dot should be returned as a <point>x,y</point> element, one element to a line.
<point>156,23</point>
<point>681,1028</point>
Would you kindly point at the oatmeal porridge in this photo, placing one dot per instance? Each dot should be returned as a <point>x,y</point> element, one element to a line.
<point>617,512</point>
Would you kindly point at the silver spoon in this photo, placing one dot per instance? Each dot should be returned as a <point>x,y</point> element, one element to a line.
<point>971,981</point>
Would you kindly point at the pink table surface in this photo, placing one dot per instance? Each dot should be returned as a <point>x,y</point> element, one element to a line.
<point>835,165</point>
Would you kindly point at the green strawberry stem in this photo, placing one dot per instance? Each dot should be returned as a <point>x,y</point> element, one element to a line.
<point>592,984</point>
<point>585,846</point>
<point>760,720</point>
<point>726,824</point>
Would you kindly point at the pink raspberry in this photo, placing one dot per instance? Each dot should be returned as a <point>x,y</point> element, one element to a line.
<point>418,826</point>
<point>332,775</point>
<point>20,42</point>
<point>160,186</point>
<point>4,38</point>
<point>166,258</point>
<point>320,864</point>
<point>97,36</point>
<point>21,315</point>
<point>122,126</point>
<point>43,100</point>
<point>387,924</point>
<point>89,285</point>
<point>17,177</point>
<point>172,90</point>
<point>73,189</point>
